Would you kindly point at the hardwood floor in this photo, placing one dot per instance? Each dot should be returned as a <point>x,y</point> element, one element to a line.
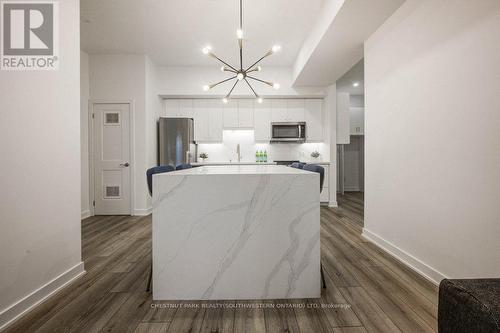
<point>367,290</point>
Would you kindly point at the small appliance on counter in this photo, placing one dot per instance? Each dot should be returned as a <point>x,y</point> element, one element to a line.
<point>176,143</point>
<point>286,162</point>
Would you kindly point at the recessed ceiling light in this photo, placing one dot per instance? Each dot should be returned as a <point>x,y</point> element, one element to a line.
<point>355,84</point>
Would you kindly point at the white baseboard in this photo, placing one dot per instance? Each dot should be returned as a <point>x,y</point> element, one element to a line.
<point>18,309</point>
<point>85,214</point>
<point>333,204</point>
<point>143,212</point>
<point>404,257</point>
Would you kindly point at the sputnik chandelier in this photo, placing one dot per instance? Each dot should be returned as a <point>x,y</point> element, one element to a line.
<point>240,73</point>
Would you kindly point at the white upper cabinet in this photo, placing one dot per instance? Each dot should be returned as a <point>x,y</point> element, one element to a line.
<point>245,113</point>
<point>239,114</point>
<point>262,120</point>
<point>186,108</point>
<point>343,121</point>
<point>231,114</point>
<point>171,107</point>
<point>179,108</point>
<point>295,110</point>
<point>357,120</point>
<point>288,110</point>
<point>200,120</point>
<point>215,121</point>
<point>279,112</point>
<point>314,120</point>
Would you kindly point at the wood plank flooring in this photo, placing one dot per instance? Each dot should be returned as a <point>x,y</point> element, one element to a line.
<point>367,290</point>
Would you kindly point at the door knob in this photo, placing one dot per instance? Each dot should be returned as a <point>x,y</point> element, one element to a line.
<point>126,165</point>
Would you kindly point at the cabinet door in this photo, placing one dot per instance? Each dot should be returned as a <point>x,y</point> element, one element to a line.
<point>357,119</point>
<point>262,121</point>
<point>324,195</point>
<point>279,112</point>
<point>295,110</point>
<point>201,120</point>
<point>343,122</point>
<point>215,121</point>
<point>245,113</point>
<point>314,119</point>
<point>185,108</point>
<point>231,114</point>
<point>171,107</point>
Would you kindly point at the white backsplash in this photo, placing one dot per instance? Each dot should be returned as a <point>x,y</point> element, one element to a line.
<point>226,151</point>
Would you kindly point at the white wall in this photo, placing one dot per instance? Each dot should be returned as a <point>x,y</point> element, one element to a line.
<point>40,245</point>
<point>123,78</point>
<point>433,137</point>
<point>84,137</point>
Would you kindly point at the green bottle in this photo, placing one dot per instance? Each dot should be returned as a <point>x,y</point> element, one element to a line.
<point>265,155</point>
<point>257,156</point>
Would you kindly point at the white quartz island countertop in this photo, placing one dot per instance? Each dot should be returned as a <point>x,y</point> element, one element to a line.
<point>236,232</point>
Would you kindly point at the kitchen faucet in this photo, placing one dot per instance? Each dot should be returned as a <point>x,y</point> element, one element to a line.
<point>238,152</point>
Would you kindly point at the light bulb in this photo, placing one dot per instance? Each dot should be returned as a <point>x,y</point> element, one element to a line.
<point>223,69</point>
<point>355,84</point>
<point>259,68</point>
<point>260,100</point>
<point>276,86</point>
<point>240,76</point>
<point>206,88</point>
<point>206,49</point>
<point>239,34</point>
<point>276,48</point>
<point>224,100</point>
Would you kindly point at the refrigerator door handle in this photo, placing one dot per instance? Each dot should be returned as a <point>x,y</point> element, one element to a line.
<point>188,157</point>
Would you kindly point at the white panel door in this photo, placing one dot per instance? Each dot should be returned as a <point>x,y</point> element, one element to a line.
<point>262,120</point>
<point>245,113</point>
<point>295,110</point>
<point>111,130</point>
<point>231,114</point>
<point>314,120</point>
<point>279,112</point>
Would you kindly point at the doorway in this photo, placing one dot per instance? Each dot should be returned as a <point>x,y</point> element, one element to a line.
<point>111,159</point>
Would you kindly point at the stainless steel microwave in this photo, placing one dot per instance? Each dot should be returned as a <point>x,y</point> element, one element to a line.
<point>288,132</point>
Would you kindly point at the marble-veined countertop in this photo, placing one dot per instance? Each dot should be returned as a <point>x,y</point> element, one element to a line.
<point>237,170</point>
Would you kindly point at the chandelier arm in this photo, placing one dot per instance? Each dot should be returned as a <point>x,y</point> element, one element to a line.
<point>230,91</point>
<point>252,70</point>
<point>230,70</point>
<point>240,41</point>
<point>225,63</point>
<point>255,63</point>
<point>257,96</point>
<point>216,84</point>
<point>256,79</point>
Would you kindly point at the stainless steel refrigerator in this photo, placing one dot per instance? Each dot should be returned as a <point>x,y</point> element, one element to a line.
<point>176,143</point>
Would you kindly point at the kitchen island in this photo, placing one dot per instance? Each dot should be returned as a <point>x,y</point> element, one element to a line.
<point>236,232</point>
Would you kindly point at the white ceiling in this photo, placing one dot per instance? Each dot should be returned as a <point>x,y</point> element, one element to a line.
<point>354,75</point>
<point>173,32</point>
<point>341,45</point>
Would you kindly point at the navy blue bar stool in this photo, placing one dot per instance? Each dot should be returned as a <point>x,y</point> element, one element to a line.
<point>318,169</point>
<point>149,177</point>
<point>297,165</point>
